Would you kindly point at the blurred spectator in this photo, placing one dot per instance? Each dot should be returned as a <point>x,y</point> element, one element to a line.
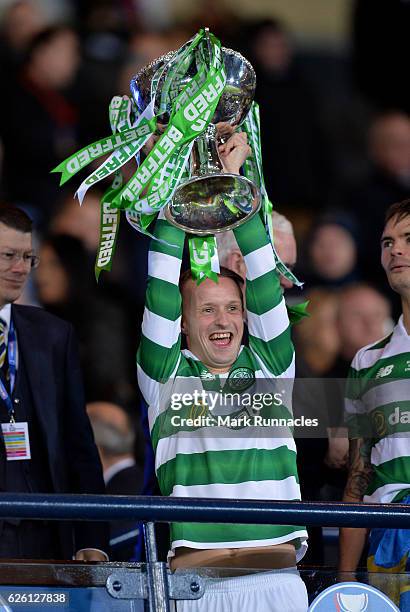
<point>388,181</point>
<point>380,51</point>
<point>294,154</point>
<point>222,20</point>
<point>316,346</point>
<point>106,16</point>
<point>21,21</point>
<point>104,26</point>
<point>143,48</point>
<point>129,269</point>
<point>332,253</point>
<point>316,337</point>
<point>38,121</point>
<point>115,436</point>
<point>80,222</point>
<point>101,319</point>
<point>363,317</point>
<point>285,244</point>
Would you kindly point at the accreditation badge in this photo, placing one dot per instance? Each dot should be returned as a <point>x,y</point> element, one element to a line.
<point>16,441</point>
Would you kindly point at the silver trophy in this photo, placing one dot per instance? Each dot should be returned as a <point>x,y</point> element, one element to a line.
<point>210,201</point>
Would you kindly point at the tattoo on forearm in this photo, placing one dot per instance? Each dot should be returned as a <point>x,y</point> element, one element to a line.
<point>360,469</point>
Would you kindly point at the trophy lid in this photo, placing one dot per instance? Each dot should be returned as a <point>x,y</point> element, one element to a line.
<point>236,98</point>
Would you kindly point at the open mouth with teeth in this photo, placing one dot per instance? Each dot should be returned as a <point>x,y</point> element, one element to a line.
<point>221,339</point>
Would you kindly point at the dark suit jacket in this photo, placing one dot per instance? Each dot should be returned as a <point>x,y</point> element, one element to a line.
<point>123,534</point>
<point>50,354</point>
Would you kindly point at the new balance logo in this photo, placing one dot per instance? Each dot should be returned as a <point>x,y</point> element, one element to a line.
<point>386,371</point>
<point>207,375</point>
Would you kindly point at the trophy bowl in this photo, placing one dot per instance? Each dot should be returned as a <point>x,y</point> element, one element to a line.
<point>210,201</point>
<point>213,203</point>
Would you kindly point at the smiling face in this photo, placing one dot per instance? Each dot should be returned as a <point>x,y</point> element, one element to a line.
<point>395,257</point>
<point>212,321</point>
<point>13,275</point>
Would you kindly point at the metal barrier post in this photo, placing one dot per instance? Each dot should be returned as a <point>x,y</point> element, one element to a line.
<point>157,579</point>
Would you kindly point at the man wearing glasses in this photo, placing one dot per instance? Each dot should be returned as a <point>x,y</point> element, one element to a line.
<point>46,444</point>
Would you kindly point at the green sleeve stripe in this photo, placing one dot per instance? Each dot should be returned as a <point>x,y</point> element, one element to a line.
<point>163,299</point>
<point>156,361</point>
<point>384,420</point>
<point>164,267</point>
<point>251,236</point>
<point>263,293</point>
<point>270,325</point>
<point>375,369</point>
<point>361,381</point>
<point>394,471</point>
<point>169,234</point>
<point>160,330</point>
<point>277,354</point>
<point>192,469</point>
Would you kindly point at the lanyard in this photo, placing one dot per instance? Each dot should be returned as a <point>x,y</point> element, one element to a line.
<point>12,357</point>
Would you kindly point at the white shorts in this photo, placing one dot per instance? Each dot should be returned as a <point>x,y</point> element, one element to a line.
<point>275,591</point>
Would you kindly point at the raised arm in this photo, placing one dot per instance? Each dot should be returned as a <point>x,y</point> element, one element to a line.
<point>352,540</point>
<point>159,350</point>
<point>268,321</point>
<point>160,345</point>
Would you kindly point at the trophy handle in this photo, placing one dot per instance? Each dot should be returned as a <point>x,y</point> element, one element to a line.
<point>204,156</point>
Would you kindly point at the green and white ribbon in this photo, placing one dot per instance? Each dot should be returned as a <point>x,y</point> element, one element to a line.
<point>109,226</point>
<point>88,154</point>
<point>157,177</point>
<point>119,113</point>
<point>123,154</point>
<point>120,119</point>
<point>193,109</point>
<point>204,258</point>
<point>178,168</point>
<point>192,112</point>
<point>181,60</point>
<point>254,171</point>
<point>297,312</point>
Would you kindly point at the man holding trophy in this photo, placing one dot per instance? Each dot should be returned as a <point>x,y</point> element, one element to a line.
<point>207,440</point>
<point>192,460</point>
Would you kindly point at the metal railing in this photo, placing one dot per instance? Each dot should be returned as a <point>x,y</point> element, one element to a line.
<point>156,585</point>
<point>202,510</point>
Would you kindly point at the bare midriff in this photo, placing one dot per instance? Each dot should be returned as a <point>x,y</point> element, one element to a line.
<point>261,557</point>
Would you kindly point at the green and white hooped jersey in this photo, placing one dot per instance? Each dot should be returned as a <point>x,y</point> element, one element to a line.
<point>237,463</point>
<point>378,397</point>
